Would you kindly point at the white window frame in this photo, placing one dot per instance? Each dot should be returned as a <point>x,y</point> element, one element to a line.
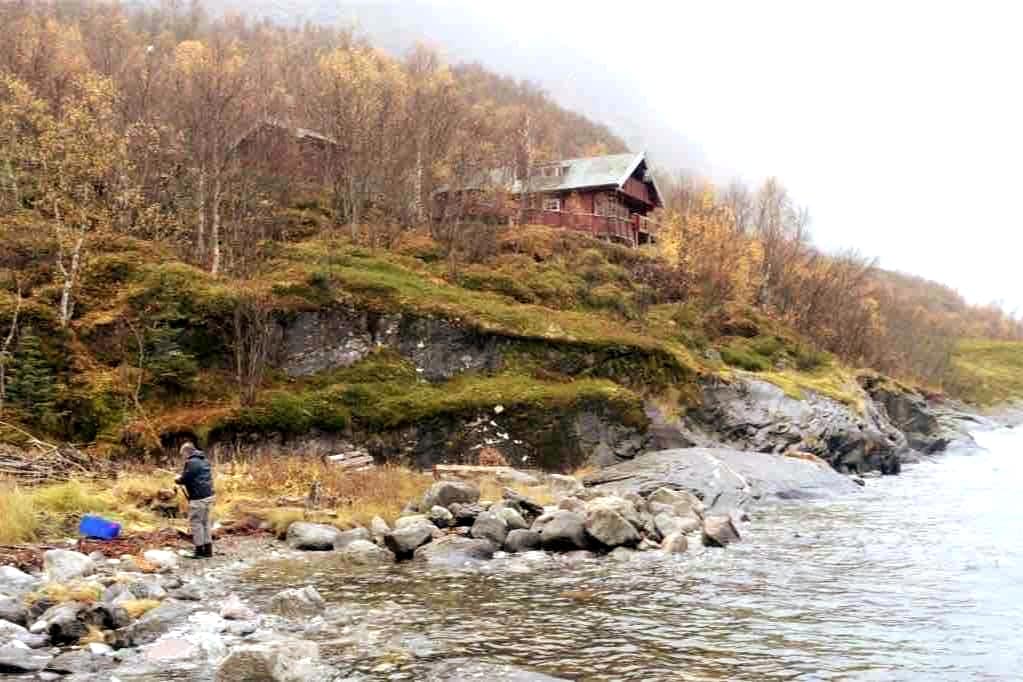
<point>552,204</point>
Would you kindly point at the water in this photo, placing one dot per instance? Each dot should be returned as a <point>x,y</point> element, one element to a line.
<point>918,578</point>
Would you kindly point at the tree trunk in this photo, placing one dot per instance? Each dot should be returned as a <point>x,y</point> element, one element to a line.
<point>67,305</point>
<point>215,225</point>
<point>5,353</point>
<point>200,242</point>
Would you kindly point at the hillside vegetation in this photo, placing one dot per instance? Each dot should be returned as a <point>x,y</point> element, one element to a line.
<point>150,262</point>
<point>987,372</point>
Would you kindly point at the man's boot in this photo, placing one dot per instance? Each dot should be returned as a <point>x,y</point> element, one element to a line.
<point>208,550</point>
<point>198,553</point>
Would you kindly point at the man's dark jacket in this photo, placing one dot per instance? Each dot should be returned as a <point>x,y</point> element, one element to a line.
<point>197,476</point>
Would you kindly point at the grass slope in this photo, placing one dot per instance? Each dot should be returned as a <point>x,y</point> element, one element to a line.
<point>987,372</point>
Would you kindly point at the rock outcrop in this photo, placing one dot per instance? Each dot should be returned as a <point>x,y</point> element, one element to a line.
<point>723,479</point>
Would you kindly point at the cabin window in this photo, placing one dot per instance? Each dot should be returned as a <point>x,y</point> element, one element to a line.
<point>552,203</point>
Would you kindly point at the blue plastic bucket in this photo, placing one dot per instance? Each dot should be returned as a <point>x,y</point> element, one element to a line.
<point>99,528</point>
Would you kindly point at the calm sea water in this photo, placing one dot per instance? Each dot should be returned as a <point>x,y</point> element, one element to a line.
<point>918,578</point>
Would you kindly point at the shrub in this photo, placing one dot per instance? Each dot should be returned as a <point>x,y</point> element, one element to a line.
<point>19,519</point>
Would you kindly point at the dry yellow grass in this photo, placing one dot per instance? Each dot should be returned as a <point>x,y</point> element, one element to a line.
<point>86,592</point>
<point>19,519</point>
<point>139,607</point>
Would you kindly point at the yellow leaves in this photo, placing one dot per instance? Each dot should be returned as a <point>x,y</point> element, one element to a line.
<point>189,56</point>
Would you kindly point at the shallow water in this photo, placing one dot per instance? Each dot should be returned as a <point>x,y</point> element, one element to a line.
<point>918,577</point>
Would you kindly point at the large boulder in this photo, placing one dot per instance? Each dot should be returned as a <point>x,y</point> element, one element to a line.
<point>618,504</point>
<point>13,611</point>
<point>441,517</point>
<point>522,540</point>
<point>512,516</point>
<point>81,662</point>
<point>465,514</point>
<point>490,526</point>
<point>347,537</point>
<point>675,544</point>
<point>298,603</point>
<point>12,632</point>
<point>366,553</point>
<point>283,660</point>
<point>681,502</point>
<point>755,415</point>
<point>62,565</point>
<point>154,624</point>
<point>454,551</point>
<point>719,531</point>
<point>14,582</point>
<point>15,659</point>
<point>611,529</point>
<point>564,530</point>
<point>406,540</point>
<point>313,537</point>
<point>526,506</point>
<point>379,528</point>
<point>446,493</point>
<point>515,477</point>
<point>725,479</point>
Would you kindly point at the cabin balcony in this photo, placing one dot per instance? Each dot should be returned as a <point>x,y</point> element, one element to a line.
<point>635,230</point>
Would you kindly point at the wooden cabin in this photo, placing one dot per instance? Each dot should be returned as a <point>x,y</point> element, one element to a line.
<point>610,197</point>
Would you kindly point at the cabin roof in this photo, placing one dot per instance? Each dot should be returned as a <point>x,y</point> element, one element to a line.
<point>589,172</point>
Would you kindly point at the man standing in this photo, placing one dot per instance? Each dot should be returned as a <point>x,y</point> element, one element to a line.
<point>198,481</point>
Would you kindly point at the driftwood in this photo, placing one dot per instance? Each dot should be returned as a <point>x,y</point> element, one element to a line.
<point>38,461</point>
<point>356,460</point>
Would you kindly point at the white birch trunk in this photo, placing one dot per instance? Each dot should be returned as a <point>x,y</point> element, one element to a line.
<point>201,228</point>
<point>215,225</point>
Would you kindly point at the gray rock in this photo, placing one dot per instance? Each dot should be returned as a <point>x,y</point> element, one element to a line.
<point>526,506</point>
<point>299,603</point>
<point>345,537</point>
<point>12,632</point>
<point>82,661</point>
<point>667,524</point>
<point>187,592</point>
<point>14,582</point>
<point>646,544</point>
<point>618,504</point>
<point>16,659</point>
<point>379,528</point>
<point>719,531</point>
<point>465,514</point>
<point>522,540</point>
<point>283,660</point>
<point>512,517</point>
<point>153,624</point>
<point>365,553</point>
<point>410,520</point>
<point>565,530</point>
<point>453,550</point>
<point>681,502</point>
<point>13,611</point>
<point>145,588</point>
<point>63,565</point>
<point>441,517</point>
<point>315,537</point>
<point>675,544</point>
<point>611,529</point>
<point>490,526</point>
<point>446,493</point>
<point>404,541</point>
<point>107,616</point>
<point>725,479</point>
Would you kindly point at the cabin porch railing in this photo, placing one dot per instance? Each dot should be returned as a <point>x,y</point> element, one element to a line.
<point>634,230</point>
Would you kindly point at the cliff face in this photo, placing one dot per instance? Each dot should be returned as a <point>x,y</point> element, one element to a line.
<point>396,355</point>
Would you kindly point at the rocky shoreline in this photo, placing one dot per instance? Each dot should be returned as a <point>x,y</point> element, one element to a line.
<point>89,617</point>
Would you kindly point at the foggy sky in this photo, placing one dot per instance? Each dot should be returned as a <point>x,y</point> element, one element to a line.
<point>898,124</point>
